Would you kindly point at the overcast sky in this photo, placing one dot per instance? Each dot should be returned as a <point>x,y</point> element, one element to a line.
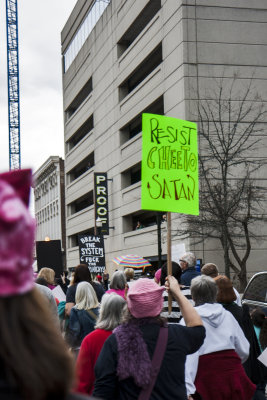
<point>41,105</point>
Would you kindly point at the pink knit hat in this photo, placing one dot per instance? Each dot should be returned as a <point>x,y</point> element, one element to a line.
<point>144,298</point>
<point>17,228</point>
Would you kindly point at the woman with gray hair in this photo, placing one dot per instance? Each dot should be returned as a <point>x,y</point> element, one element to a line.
<point>109,318</point>
<point>118,283</point>
<point>215,370</point>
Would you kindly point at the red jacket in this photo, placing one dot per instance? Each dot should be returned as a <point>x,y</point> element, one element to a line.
<point>88,354</point>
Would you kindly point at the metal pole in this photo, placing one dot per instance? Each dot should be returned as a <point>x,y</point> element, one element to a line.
<point>169,257</point>
<point>159,240</point>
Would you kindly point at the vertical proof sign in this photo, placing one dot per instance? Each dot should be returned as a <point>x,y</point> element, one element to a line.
<point>92,252</point>
<point>101,201</point>
<point>169,165</point>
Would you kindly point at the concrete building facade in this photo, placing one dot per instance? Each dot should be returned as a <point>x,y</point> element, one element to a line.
<point>125,57</point>
<point>49,201</point>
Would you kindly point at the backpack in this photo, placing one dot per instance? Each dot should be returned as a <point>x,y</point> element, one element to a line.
<point>63,320</point>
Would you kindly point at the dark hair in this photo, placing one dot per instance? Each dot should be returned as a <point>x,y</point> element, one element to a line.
<point>58,281</point>
<point>226,293</point>
<point>127,317</point>
<point>257,317</point>
<point>176,272</point>
<point>32,350</point>
<point>82,274</point>
<point>41,281</point>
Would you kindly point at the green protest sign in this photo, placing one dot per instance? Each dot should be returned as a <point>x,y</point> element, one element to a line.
<point>169,165</point>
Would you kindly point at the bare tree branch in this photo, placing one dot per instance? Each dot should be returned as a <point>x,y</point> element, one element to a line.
<point>230,201</point>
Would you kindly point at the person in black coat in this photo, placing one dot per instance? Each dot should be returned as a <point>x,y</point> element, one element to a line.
<point>226,296</point>
<point>259,321</point>
<point>123,367</point>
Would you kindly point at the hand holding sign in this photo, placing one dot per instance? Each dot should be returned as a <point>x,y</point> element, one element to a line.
<point>169,169</point>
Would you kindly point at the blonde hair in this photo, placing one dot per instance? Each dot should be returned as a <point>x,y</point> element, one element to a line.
<point>85,297</point>
<point>48,274</point>
<point>129,273</point>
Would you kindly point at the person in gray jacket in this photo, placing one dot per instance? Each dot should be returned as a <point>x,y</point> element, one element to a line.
<point>50,299</point>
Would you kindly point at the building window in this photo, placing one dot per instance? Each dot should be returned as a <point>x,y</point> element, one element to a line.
<point>135,125</point>
<point>57,207</point>
<point>96,10</point>
<point>81,168</point>
<point>80,204</point>
<point>131,176</point>
<point>73,239</point>
<point>138,25</point>
<point>80,133</point>
<point>81,96</point>
<point>152,61</point>
<point>139,220</point>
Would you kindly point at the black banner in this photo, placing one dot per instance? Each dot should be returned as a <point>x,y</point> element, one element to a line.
<point>49,255</point>
<point>92,252</point>
<point>101,202</point>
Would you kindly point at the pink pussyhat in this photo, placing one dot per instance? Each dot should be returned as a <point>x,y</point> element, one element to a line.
<point>17,229</point>
<point>144,298</point>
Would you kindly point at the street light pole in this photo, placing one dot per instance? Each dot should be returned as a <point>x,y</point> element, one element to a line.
<point>159,239</point>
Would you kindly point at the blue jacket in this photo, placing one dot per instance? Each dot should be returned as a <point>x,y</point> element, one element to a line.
<point>188,274</point>
<point>80,324</point>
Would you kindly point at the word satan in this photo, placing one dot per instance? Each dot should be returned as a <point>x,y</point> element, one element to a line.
<point>169,165</point>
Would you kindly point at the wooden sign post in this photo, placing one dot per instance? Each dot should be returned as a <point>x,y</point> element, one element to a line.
<point>169,169</point>
<point>169,256</point>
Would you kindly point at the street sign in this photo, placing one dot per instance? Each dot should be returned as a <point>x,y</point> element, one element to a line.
<point>101,201</point>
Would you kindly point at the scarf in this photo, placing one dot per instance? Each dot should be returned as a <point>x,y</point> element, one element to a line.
<point>133,357</point>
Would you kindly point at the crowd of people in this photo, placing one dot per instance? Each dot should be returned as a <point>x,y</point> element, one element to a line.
<point>117,338</point>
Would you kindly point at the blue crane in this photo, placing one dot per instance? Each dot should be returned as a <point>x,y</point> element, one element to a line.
<point>13,84</point>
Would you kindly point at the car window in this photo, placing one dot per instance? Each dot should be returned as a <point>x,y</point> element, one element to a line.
<point>257,288</point>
